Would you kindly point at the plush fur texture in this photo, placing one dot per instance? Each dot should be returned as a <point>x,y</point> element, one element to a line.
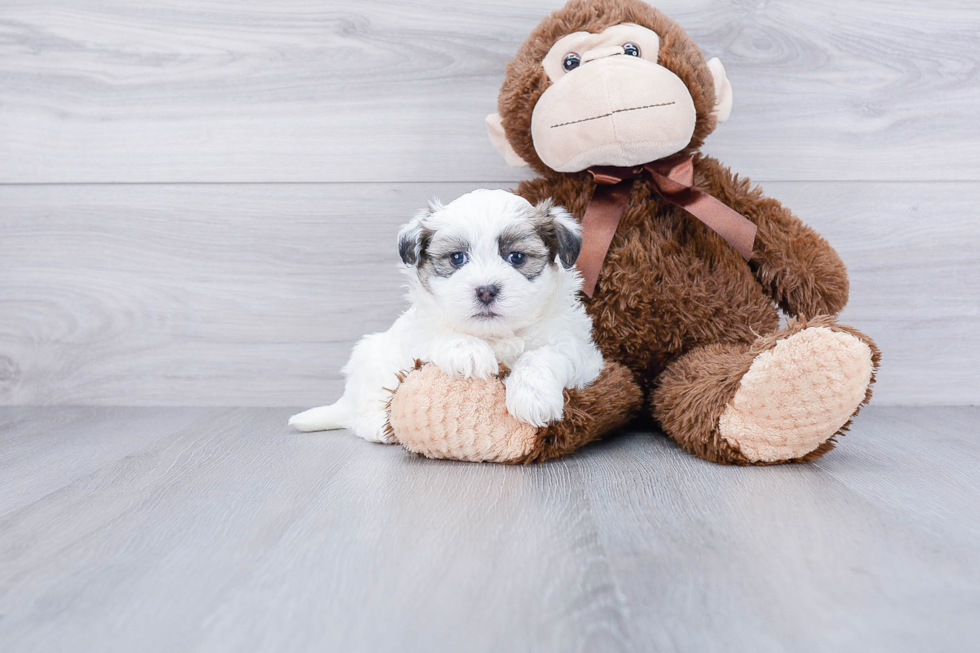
<point>765,420</point>
<point>683,311</point>
<point>526,78</point>
<point>438,416</point>
<point>694,392</point>
<point>430,409</point>
<point>590,413</point>
<point>489,285</point>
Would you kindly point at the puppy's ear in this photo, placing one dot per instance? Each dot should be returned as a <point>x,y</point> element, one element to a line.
<point>410,242</point>
<point>413,237</point>
<point>559,231</point>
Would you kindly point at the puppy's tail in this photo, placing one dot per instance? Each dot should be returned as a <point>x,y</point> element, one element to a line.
<point>324,418</point>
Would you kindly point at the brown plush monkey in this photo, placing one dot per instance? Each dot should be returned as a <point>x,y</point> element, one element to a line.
<point>686,263</point>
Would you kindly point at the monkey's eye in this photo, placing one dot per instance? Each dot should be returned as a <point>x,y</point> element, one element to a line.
<point>458,259</point>
<point>572,61</point>
<point>516,259</point>
<point>631,49</point>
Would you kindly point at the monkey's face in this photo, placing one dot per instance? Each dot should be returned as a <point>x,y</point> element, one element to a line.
<point>610,102</point>
<point>607,82</point>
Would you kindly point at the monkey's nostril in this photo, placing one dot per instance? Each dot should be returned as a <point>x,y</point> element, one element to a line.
<point>486,294</point>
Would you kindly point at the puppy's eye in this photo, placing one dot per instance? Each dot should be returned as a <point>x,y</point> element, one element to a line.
<point>516,259</point>
<point>631,49</point>
<point>458,259</point>
<point>571,62</point>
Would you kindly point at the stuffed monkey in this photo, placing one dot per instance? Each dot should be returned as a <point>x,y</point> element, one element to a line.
<point>685,264</point>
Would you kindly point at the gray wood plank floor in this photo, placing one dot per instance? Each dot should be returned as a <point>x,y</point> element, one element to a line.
<point>217,529</point>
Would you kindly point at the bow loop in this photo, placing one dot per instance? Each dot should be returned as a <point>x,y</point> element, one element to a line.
<point>612,175</point>
<point>673,179</point>
<point>677,173</point>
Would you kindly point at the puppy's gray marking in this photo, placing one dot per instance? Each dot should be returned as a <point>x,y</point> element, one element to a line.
<point>439,252</point>
<point>525,240</point>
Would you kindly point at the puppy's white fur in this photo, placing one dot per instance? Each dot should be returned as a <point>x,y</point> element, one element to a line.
<point>534,325</point>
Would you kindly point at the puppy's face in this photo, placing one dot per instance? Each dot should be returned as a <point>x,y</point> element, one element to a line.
<point>489,259</point>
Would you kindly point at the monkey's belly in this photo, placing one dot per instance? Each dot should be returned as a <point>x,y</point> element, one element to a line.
<point>682,300</point>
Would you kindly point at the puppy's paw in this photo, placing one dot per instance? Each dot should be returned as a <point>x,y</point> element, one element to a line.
<point>467,357</point>
<point>534,396</point>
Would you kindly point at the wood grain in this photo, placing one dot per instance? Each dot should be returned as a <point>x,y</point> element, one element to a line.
<point>36,459</point>
<point>186,543</point>
<point>224,531</point>
<point>804,558</point>
<point>209,90</point>
<point>227,295</point>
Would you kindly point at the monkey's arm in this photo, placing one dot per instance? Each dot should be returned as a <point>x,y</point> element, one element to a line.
<point>795,265</point>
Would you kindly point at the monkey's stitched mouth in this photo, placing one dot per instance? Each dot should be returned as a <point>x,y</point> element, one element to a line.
<point>606,115</point>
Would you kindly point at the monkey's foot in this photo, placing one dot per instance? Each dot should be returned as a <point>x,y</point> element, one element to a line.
<point>439,416</point>
<point>797,395</point>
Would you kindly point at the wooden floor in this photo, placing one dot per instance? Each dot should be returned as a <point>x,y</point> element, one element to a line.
<point>218,529</point>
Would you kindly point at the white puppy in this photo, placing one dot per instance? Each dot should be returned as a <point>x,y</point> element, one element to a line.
<point>486,288</point>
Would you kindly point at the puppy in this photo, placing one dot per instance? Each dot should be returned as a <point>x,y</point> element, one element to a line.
<point>490,281</point>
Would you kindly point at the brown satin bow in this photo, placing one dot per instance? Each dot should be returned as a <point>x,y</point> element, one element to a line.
<point>673,179</point>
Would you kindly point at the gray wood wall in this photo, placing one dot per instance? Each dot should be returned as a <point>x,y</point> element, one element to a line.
<point>198,199</point>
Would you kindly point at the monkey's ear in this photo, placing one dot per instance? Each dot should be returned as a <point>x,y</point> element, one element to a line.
<point>723,90</point>
<point>495,128</point>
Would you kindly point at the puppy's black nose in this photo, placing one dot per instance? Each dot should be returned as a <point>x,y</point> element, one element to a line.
<point>486,294</point>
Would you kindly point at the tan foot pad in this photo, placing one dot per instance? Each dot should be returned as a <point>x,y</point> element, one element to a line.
<point>798,394</point>
<point>458,419</point>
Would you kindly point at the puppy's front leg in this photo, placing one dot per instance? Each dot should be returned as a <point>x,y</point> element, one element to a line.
<point>535,387</point>
<point>465,356</point>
